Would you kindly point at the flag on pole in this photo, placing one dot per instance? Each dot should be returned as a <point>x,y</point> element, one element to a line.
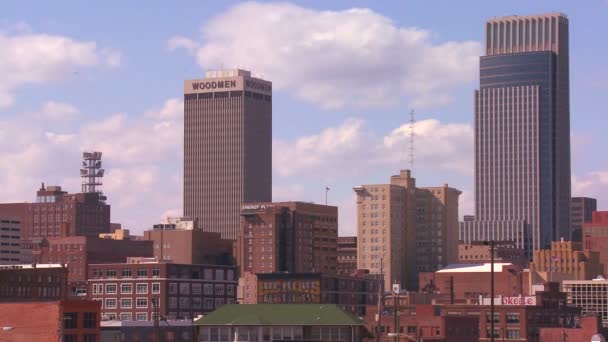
<point>327,188</point>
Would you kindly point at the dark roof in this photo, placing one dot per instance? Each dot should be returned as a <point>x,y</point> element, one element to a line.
<point>279,314</point>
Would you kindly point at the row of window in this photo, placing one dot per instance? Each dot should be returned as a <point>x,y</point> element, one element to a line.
<point>127,303</point>
<point>140,288</point>
<point>125,273</point>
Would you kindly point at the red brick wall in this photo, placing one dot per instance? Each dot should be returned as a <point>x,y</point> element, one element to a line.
<point>31,321</point>
<point>589,327</point>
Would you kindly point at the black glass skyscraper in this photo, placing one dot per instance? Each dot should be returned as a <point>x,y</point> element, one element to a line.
<point>522,133</point>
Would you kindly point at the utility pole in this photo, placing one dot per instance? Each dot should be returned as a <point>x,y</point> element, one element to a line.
<point>380,300</point>
<point>156,319</point>
<point>492,290</point>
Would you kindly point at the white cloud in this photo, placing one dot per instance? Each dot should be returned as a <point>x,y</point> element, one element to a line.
<point>466,203</point>
<point>172,108</point>
<point>591,184</point>
<point>352,146</point>
<point>53,110</point>
<point>141,155</point>
<point>29,58</point>
<point>335,59</point>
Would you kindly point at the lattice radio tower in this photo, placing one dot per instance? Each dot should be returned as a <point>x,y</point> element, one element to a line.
<point>91,173</point>
<point>412,134</point>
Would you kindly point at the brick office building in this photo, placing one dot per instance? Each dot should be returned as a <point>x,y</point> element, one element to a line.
<point>78,252</point>
<point>347,255</point>
<point>37,282</point>
<point>595,237</point>
<point>57,213</point>
<point>351,293</point>
<point>65,321</point>
<point>11,251</point>
<point>189,246</point>
<point>288,237</point>
<point>128,290</point>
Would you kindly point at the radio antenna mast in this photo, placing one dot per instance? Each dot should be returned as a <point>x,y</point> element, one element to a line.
<point>412,134</point>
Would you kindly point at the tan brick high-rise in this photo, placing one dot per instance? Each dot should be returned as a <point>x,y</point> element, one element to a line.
<point>227,147</point>
<point>385,220</point>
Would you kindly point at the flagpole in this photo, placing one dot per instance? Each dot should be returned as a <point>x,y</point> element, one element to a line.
<point>326,191</point>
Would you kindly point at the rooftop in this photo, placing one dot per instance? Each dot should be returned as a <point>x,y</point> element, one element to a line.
<point>30,266</point>
<point>279,314</point>
<point>468,268</point>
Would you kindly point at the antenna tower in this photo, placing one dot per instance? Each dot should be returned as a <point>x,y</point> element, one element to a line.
<point>91,172</point>
<point>412,134</point>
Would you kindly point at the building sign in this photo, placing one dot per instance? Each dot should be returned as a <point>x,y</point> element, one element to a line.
<point>519,300</point>
<point>214,85</point>
<point>258,85</point>
<point>256,206</point>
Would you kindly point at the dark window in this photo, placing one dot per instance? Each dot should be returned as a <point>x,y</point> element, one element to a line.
<point>70,338</point>
<point>90,338</point>
<point>142,273</point>
<point>220,94</point>
<point>238,93</point>
<point>90,320</point>
<point>267,98</point>
<point>188,97</point>
<point>258,96</point>
<point>247,93</point>
<point>126,273</point>
<point>70,320</point>
<point>205,95</point>
<point>156,272</point>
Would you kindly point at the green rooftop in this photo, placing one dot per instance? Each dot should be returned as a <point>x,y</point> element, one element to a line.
<point>279,314</point>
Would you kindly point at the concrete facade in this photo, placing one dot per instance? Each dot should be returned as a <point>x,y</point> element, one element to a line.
<point>567,257</point>
<point>227,148</point>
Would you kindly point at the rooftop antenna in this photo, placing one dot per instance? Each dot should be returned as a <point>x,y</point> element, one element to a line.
<point>411,147</point>
<point>91,173</point>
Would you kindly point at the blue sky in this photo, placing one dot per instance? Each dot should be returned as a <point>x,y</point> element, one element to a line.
<point>109,77</point>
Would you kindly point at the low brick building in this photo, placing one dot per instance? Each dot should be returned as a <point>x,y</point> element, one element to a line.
<point>130,291</point>
<point>29,283</point>
<point>587,327</point>
<point>66,321</point>
<point>462,281</point>
<point>595,237</point>
<point>77,252</point>
<point>351,293</point>
<point>347,255</point>
<point>189,246</point>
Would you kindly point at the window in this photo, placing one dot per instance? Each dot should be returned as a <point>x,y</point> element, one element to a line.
<point>208,289</point>
<point>197,289</point>
<point>155,272</point>
<point>184,288</point>
<point>110,303</point>
<point>219,274</point>
<point>126,273</point>
<point>142,288</point>
<point>110,288</point>
<point>496,317</point>
<point>70,338</point>
<point>126,288</point>
<point>126,316</point>
<point>512,317</point>
<point>219,289</point>
<point>97,289</point>
<point>126,303</point>
<point>90,338</point>
<point>70,320</point>
<point>156,288</point>
<point>142,273</point>
<point>229,290</point>
<point>141,316</point>
<point>109,316</point>
<point>512,333</point>
<point>111,273</point>
<point>172,288</point>
<point>496,333</point>
<point>141,303</point>
<point>90,320</point>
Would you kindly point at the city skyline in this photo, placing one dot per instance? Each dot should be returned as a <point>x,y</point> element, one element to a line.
<point>322,132</point>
